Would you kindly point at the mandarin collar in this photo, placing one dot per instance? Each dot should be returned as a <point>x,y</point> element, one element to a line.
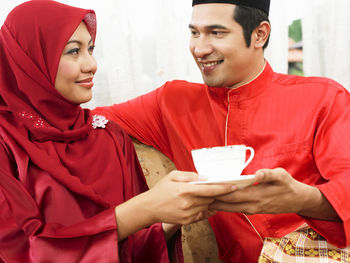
<point>247,91</point>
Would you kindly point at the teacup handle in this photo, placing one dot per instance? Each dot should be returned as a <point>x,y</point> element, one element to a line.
<point>252,152</point>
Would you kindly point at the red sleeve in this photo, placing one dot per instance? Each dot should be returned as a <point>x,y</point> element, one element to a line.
<point>27,235</point>
<point>332,154</point>
<point>148,243</point>
<point>141,118</point>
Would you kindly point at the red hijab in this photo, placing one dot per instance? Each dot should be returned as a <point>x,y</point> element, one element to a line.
<point>37,123</point>
<point>32,40</point>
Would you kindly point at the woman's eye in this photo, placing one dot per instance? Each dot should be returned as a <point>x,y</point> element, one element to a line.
<point>91,49</point>
<point>74,51</point>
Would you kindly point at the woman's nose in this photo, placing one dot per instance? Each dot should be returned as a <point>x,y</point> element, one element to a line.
<point>89,64</point>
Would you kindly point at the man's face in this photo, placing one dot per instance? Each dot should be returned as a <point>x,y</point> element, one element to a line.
<point>218,46</point>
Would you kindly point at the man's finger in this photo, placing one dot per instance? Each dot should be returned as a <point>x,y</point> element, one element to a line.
<point>211,190</point>
<point>248,194</point>
<point>270,175</point>
<point>229,207</point>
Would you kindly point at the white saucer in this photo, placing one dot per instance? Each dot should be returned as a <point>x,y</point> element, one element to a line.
<point>241,182</point>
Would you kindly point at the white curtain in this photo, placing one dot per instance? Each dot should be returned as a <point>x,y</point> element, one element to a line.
<point>277,50</point>
<point>141,44</point>
<point>326,32</point>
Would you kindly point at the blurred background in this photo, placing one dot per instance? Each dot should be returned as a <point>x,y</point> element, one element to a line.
<point>141,44</point>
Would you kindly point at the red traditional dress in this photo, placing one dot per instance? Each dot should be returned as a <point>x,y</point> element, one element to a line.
<point>297,123</point>
<point>62,170</point>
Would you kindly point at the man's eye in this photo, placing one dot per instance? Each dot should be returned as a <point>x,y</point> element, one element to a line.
<point>217,33</point>
<point>194,33</point>
<point>74,51</point>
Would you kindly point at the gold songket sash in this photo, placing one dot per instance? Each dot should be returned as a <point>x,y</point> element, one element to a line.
<point>303,245</point>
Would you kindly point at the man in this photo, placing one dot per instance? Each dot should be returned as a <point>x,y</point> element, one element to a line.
<point>298,127</point>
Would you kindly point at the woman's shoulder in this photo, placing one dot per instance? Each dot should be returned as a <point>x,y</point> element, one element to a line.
<point>103,124</point>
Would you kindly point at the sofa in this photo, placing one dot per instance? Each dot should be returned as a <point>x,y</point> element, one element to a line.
<point>198,240</point>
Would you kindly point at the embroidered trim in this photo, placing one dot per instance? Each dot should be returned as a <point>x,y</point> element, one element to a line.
<point>99,121</point>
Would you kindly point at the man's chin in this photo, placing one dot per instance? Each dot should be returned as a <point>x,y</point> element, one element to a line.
<point>211,83</point>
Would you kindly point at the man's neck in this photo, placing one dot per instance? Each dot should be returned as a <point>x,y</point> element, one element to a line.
<point>255,75</point>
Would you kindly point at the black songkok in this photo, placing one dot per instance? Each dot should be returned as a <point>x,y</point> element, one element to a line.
<point>263,5</point>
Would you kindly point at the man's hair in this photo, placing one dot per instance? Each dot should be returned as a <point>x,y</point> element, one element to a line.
<point>250,18</point>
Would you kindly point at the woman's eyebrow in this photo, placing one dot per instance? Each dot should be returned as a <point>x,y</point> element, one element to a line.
<point>77,42</point>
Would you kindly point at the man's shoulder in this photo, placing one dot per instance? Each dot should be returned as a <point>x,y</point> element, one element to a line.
<point>319,84</point>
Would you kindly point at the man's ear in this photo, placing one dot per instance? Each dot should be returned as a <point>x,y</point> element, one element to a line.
<point>261,34</point>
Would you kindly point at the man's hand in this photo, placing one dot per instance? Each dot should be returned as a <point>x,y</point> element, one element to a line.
<point>277,192</point>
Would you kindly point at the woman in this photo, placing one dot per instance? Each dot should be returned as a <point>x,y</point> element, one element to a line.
<point>69,180</point>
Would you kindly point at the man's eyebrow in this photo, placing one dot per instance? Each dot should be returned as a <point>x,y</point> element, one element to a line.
<point>216,27</point>
<point>77,42</point>
<point>210,27</point>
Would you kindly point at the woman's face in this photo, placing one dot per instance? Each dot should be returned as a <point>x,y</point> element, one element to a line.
<point>77,66</point>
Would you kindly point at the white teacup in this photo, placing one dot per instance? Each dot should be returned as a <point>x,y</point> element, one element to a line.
<point>221,163</point>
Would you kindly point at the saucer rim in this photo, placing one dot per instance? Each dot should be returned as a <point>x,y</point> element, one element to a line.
<point>244,179</point>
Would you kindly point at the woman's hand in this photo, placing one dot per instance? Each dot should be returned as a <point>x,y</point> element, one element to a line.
<point>173,200</point>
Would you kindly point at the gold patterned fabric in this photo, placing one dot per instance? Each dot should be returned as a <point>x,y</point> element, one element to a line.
<point>303,245</point>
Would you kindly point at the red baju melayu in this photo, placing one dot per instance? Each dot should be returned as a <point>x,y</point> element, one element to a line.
<point>62,171</point>
<point>297,123</point>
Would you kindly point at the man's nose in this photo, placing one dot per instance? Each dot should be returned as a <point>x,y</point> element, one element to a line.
<point>202,47</point>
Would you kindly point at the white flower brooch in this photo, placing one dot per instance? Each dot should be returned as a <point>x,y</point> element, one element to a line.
<point>99,121</point>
